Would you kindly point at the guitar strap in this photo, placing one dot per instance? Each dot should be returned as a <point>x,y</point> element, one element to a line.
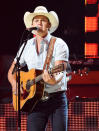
<point>49,53</point>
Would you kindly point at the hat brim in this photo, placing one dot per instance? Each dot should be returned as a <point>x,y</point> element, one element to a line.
<point>53,18</point>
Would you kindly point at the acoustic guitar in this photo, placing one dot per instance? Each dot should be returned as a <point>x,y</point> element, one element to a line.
<point>32,85</point>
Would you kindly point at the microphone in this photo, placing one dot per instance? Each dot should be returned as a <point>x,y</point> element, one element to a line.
<point>32,28</point>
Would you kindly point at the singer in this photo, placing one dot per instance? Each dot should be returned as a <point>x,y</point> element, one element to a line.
<point>44,52</point>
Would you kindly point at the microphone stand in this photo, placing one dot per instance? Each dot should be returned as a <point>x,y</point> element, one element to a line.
<point>17,66</point>
<point>17,70</point>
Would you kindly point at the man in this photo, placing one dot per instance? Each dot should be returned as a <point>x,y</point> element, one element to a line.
<point>34,55</point>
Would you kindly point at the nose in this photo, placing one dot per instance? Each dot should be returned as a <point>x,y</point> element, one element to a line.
<point>40,22</point>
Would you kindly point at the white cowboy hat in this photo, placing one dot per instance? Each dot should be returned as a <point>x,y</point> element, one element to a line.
<point>41,10</point>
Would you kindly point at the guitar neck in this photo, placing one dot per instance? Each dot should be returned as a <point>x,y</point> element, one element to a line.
<point>34,81</point>
<point>56,69</point>
<point>38,78</point>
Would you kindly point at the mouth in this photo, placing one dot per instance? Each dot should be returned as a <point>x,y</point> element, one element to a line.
<point>40,29</point>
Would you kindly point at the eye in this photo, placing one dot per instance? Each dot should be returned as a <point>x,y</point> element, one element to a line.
<point>36,20</point>
<point>43,20</point>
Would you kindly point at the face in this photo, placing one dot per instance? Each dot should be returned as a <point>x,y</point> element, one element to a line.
<point>43,23</point>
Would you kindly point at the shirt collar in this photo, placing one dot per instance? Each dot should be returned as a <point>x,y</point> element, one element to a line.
<point>46,39</point>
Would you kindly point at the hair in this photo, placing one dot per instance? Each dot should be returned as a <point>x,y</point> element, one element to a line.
<point>42,15</point>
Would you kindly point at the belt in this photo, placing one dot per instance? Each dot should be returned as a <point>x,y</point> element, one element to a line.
<point>47,95</point>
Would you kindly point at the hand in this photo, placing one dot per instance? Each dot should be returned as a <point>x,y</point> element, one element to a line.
<point>15,88</point>
<point>48,78</point>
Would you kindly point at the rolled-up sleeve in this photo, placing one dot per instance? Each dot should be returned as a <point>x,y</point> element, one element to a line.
<point>61,50</point>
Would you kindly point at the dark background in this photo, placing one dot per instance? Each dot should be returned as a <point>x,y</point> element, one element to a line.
<point>71,27</point>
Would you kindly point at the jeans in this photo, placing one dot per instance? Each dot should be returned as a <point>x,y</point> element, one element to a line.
<point>55,109</point>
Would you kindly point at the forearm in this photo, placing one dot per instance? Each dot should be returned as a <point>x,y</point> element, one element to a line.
<point>61,62</point>
<point>11,78</point>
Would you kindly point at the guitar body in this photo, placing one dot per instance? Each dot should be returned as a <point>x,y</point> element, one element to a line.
<point>30,95</point>
<point>32,88</point>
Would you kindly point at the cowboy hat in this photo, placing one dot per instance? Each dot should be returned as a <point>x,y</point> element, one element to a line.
<point>41,10</point>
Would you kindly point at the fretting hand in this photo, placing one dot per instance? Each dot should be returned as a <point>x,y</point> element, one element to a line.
<point>52,79</point>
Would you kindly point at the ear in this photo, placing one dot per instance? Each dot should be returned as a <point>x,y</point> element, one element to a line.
<point>49,25</point>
